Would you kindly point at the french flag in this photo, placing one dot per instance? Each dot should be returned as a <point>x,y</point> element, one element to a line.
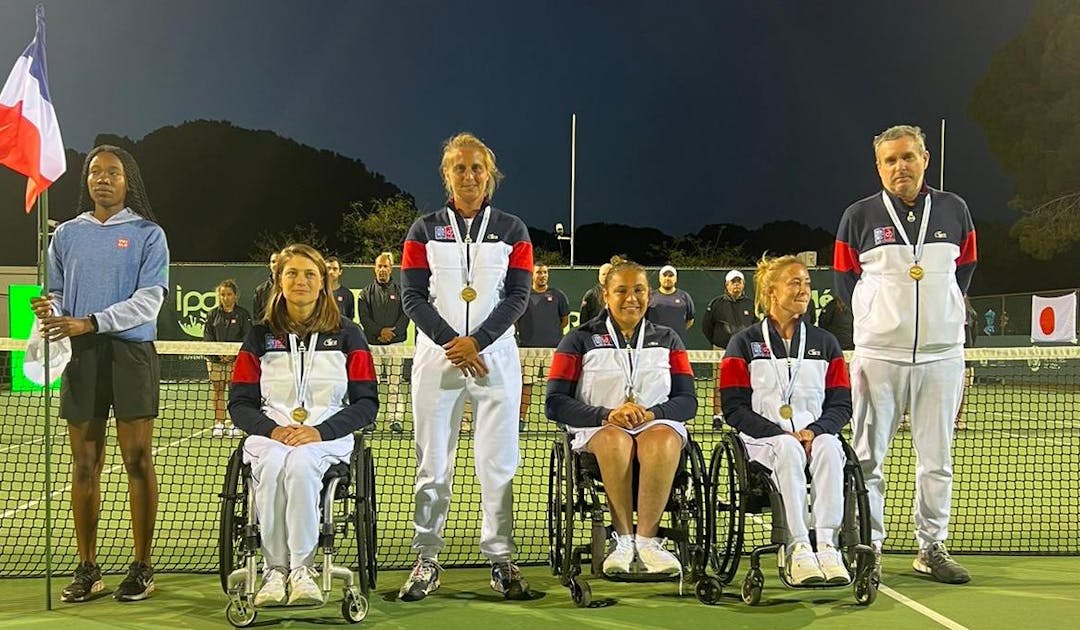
<point>30,141</point>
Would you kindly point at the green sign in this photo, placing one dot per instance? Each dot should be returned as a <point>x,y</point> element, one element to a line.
<point>22,322</point>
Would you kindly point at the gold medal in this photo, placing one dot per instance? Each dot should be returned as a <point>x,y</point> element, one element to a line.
<point>786,412</point>
<point>916,272</point>
<point>299,414</point>
<point>468,294</point>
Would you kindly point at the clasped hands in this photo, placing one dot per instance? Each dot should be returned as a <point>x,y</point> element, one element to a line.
<point>805,437</point>
<point>296,435</point>
<point>629,415</point>
<point>55,328</point>
<point>464,354</point>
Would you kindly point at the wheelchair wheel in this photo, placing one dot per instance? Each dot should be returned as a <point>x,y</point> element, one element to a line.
<point>233,520</point>
<point>727,480</point>
<point>365,517</point>
<point>751,587</point>
<point>865,587</point>
<point>695,551</point>
<point>354,606</point>
<point>241,612</point>
<point>709,590</point>
<point>558,502</point>
<point>581,592</point>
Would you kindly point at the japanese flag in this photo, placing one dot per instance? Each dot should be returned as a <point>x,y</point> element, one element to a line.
<point>1053,319</point>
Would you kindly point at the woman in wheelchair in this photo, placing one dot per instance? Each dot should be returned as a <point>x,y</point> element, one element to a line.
<point>293,372</point>
<point>624,389</point>
<point>784,387</point>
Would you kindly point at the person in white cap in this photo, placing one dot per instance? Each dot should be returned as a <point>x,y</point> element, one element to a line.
<point>729,313</point>
<point>726,315</point>
<point>671,306</point>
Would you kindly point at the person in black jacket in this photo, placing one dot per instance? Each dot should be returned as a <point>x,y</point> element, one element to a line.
<point>262,293</point>
<point>726,315</point>
<point>836,318</point>
<point>592,303</point>
<point>228,321</point>
<point>385,324</point>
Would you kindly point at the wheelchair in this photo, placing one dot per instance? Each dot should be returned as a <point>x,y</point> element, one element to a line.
<point>350,486</point>
<point>575,491</point>
<point>740,488</point>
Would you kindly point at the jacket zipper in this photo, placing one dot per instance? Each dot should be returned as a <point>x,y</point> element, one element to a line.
<point>915,341</point>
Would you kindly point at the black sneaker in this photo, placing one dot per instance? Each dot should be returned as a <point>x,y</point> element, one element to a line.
<point>423,581</point>
<point>86,585</point>
<point>936,561</point>
<point>506,579</point>
<point>138,584</point>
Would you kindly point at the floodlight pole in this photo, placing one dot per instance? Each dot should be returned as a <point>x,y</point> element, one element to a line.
<point>941,176</point>
<point>573,182</point>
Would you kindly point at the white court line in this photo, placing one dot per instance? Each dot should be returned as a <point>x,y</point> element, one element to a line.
<point>929,613</point>
<point>11,447</point>
<point>1024,436</point>
<point>113,468</point>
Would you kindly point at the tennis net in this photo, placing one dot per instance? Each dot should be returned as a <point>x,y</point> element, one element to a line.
<point>1016,463</point>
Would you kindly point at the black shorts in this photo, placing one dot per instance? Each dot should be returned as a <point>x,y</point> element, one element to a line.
<point>108,372</point>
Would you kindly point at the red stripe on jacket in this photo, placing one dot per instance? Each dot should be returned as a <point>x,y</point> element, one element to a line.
<point>680,363</point>
<point>565,367</point>
<point>846,258</point>
<point>360,366</point>
<point>415,256</point>
<point>734,372</point>
<point>968,253</point>
<point>521,257</point>
<point>247,369</point>
<point>837,374</point>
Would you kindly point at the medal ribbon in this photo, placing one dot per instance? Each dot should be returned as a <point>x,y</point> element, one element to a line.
<point>627,363</point>
<point>785,390</point>
<point>468,262</point>
<point>302,361</point>
<point>921,242</point>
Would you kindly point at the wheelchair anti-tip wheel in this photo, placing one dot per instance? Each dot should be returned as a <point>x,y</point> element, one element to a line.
<point>865,587</point>
<point>709,590</point>
<point>241,612</point>
<point>354,606</point>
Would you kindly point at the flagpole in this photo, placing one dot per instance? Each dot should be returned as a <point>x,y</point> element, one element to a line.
<point>43,274</point>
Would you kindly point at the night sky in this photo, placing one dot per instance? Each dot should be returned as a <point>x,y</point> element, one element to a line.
<point>689,113</point>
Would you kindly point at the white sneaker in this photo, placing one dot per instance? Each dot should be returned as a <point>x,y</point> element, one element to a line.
<point>217,431</point>
<point>832,565</point>
<point>656,559</point>
<point>302,587</point>
<point>802,566</point>
<point>620,557</point>
<point>273,588</point>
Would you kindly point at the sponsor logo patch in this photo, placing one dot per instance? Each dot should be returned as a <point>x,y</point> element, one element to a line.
<point>758,350</point>
<point>122,243</point>
<point>883,235</point>
<point>603,341</point>
<point>493,237</point>
<point>274,343</point>
<point>330,342</point>
<point>444,232</point>
<point>940,234</point>
<point>813,352</point>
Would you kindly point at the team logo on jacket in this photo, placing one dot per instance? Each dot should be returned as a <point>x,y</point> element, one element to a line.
<point>883,235</point>
<point>813,352</point>
<point>678,301</point>
<point>603,341</point>
<point>330,342</point>
<point>758,350</point>
<point>940,234</point>
<point>274,343</point>
<point>549,298</point>
<point>122,243</point>
<point>444,232</point>
<point>493,237</point>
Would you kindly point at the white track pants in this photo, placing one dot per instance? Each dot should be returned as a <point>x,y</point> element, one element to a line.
<point>785,457</point>
<point>439,391</point>
<point>881,390</point>
<point>288,480</point>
